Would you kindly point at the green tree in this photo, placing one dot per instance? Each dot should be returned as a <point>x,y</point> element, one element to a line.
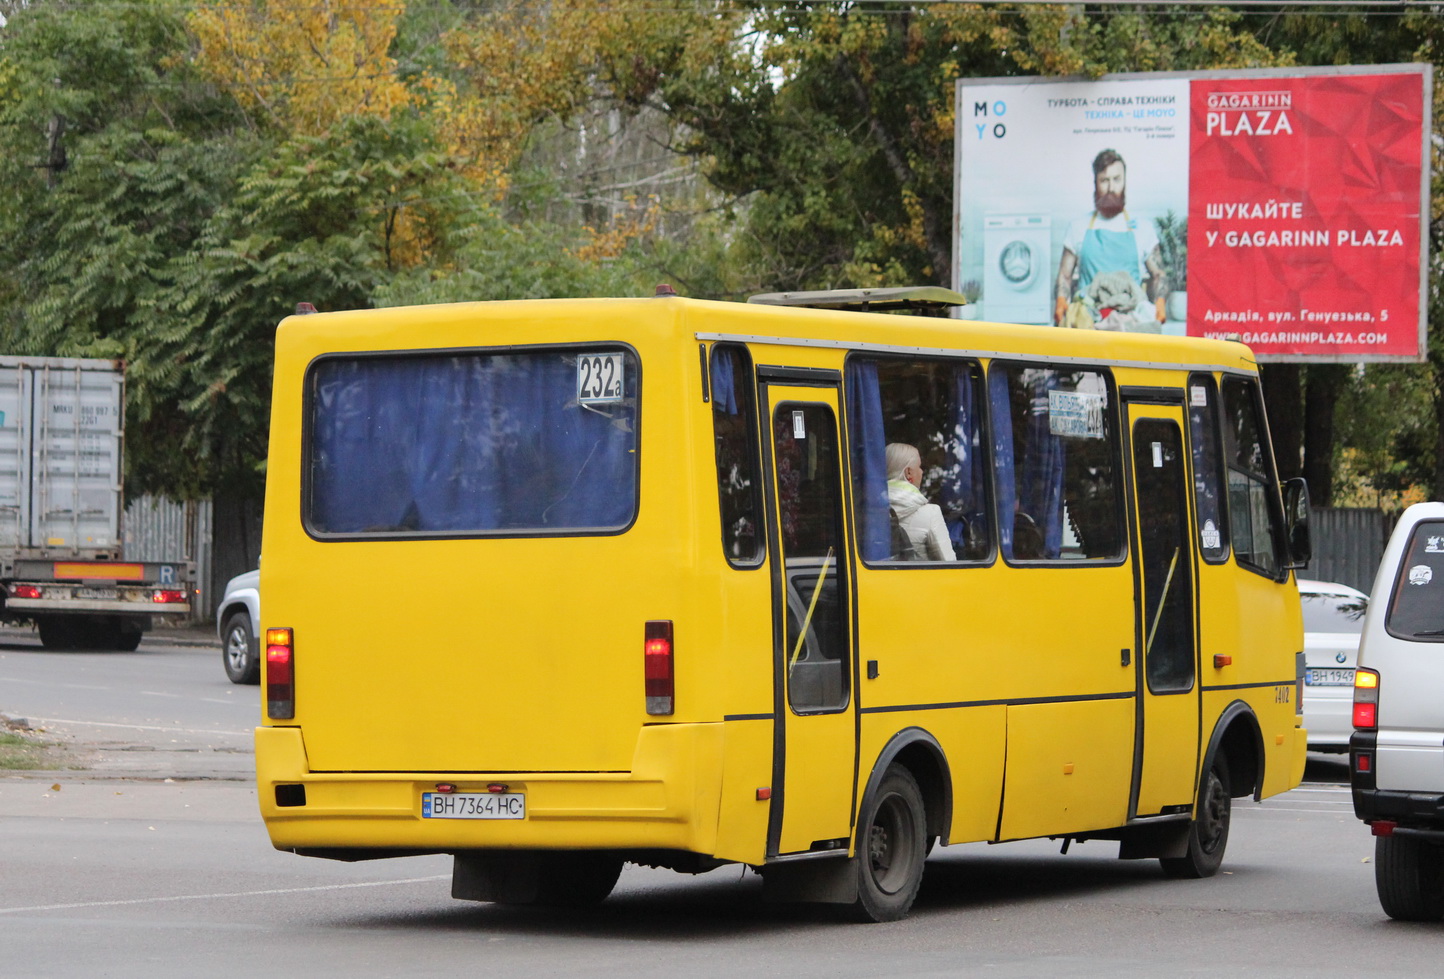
<point>327,220</point>
<point>114,154</point>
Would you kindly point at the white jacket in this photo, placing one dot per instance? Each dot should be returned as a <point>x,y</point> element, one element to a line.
<point>921,521</point>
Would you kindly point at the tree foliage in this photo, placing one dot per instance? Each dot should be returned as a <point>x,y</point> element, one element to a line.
<point>302,67</point>
<point>179,175</point>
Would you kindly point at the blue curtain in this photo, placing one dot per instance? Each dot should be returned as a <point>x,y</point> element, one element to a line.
<point>467,443</point>
<point>1042,487</point>
<point>724,392</point>
<point>1000,409</point>
<point>964,485</point>
<point>869,460</point>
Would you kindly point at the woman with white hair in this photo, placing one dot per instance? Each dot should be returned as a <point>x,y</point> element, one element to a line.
<point>919,521</point>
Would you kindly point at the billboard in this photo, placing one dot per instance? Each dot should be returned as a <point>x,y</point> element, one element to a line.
<point>1285,206</point>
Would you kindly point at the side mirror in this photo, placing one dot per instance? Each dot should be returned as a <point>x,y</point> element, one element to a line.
<point>1296,522</point>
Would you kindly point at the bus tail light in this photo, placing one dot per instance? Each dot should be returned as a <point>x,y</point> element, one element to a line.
<point>280,675</point>
<point>1366,699</point>
<point>657,666</point>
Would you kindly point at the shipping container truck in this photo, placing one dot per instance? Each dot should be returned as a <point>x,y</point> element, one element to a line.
<point>62,560</point>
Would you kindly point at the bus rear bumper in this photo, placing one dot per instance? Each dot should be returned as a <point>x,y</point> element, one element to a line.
<point>660,803</point>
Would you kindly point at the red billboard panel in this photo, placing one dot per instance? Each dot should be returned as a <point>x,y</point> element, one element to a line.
<point>1304,213</point>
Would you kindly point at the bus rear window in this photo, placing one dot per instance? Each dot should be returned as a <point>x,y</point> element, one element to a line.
<point>464,444</point>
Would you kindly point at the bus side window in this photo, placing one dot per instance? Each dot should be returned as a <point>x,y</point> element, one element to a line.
<point>1055,459</point>
<point>1255,520</point>
<point>734,425</point>
<point>1207,468</point>
<point>935,406</point>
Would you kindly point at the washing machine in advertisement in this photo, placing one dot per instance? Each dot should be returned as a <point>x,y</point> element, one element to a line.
<point>1017,284</point>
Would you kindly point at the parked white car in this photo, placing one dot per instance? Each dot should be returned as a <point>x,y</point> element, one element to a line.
<point>1396,755</point>
<point>1333,622</point>
<point>238,621</point>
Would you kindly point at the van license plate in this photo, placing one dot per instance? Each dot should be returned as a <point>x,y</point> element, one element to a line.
<point>1329,678</point>
<point>473,805</point>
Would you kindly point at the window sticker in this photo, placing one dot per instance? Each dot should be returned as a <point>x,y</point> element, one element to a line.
<point>1435,545</point>
<point>1198,396</point>
<point>1208,536</point>
<point>799,427</point>
<point>1157,455</point>
<point>1421,574</point>
<point>599,378</point>
<point>1076,414</point>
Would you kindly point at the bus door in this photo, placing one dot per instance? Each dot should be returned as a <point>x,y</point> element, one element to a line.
<point>815,750</point>
<point>1166,743</point>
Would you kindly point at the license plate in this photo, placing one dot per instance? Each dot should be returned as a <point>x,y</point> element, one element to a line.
<point>473,805</point>
<point>1329,678</point>
<point>109,594</point>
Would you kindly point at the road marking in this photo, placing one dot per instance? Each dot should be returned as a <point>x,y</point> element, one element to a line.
<point>142,727</point>
<point>52,683</point>
<point>199,700</point>
<point>219,895</point>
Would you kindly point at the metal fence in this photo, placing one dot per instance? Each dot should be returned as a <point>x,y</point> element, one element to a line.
<point>1348,545</point>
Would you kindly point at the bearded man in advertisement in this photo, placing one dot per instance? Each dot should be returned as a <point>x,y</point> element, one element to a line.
<point>1111,275</point>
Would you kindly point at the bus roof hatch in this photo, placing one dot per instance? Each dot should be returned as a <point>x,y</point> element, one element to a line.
<point>929,300</point>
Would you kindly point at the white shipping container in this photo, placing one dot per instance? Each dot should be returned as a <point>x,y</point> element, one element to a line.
<point>61,430</point>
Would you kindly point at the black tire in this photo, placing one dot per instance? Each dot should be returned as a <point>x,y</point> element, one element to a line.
<point>238,649</point>
<point>891,847</point>
<point>1409,875</point>
<point>577,880</point>
<point>1208,832</point>
<point>58,634</point>
<point>125,640</point>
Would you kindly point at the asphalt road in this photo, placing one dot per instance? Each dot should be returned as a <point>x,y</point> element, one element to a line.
<point>146,867</point>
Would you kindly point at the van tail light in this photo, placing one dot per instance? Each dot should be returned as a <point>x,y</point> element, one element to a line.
<point>657,666</point>
<point>1366,699</point>
<point>280,675</point>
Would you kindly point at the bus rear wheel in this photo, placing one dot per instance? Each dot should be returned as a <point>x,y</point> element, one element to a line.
<point>1208,833</point>
<point>891,848</point>
<point>1409,875</point>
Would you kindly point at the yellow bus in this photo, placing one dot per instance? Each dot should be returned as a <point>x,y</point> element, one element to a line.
<point>556,585</point>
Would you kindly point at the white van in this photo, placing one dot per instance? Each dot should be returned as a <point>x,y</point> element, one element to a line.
<point>1397,748</point>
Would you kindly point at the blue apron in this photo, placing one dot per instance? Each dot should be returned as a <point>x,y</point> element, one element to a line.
<point>1108,251</point>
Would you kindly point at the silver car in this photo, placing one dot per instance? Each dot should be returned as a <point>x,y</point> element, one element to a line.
<point>1397,751</point>
<point>238,620</point>
<point>1333,620</point>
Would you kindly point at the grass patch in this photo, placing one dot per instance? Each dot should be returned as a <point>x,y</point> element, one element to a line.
<point>20,752</point>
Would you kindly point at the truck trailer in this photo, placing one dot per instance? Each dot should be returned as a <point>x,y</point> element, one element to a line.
<point>62,505</point>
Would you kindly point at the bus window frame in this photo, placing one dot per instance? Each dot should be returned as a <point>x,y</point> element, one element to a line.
<point>413,353</point>
<point>759,477</point>
<point>1114,422</point>
<point>1273,487</point>
<point>1220,474</point>
<point>979,369</point>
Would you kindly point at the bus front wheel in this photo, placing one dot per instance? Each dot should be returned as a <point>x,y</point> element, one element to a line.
<point>891,848</point>
<point>1208,833</point>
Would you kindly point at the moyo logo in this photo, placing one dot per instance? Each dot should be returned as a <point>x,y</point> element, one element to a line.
<point>1249,113</point>
<point>996,109</point>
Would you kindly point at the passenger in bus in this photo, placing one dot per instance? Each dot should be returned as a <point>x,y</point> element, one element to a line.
<point>920,522</point>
